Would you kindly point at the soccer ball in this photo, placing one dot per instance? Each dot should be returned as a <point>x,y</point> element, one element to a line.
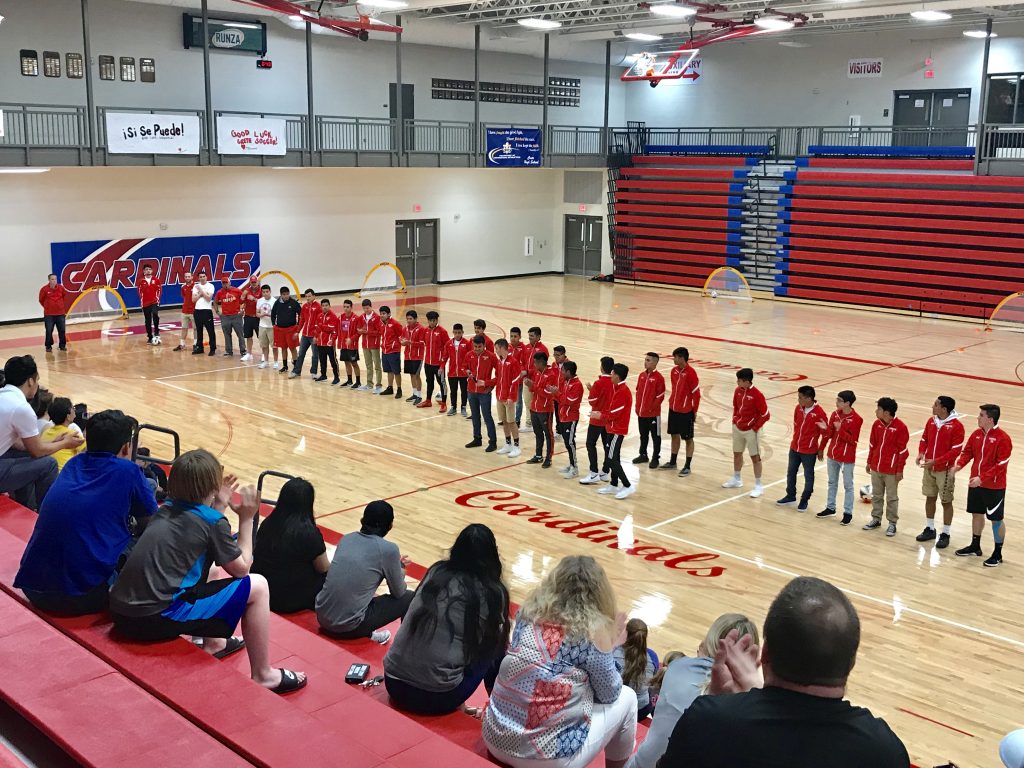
<point>714,294</point>
<point>865,493</point>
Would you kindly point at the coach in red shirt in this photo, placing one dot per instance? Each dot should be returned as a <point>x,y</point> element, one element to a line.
<point>810,423</point>
<point>149,288</point>
<point>481,372</point>
<point>988,451</point>
<point>51,298</point>
<point>227,302</point>
<point>617,421</point>
<point>650,394</point>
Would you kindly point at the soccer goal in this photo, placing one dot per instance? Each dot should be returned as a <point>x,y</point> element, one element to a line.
<point>726,283</point>
<point>265,280</point>
<point>97,303</point>
<point>1008,314</point>
<point>384,278</point>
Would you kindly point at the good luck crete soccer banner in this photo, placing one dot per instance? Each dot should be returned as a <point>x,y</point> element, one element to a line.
<point>251,136</point>
<point>142,134</point>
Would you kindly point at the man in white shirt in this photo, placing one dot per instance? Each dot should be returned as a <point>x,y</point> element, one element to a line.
<point>265,331</point>
<point>202,295</point>
<point>26,477</point>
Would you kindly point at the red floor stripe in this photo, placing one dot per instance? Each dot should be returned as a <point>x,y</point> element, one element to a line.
<point>936,722</point>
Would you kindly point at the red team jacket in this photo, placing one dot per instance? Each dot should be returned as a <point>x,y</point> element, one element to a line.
<point>807,435</point>
<point>887,452</point>
<point>488,344</point>
<point>434,341</point>
<point>990,454</point>
<point>842,435</point>
<point>52,299</point>
<point>326,329</point>
<point>600,398</point>
<point>942,443</point>
<point>149,290</point>
<point>749,409</point>
<point>309,317</point>
<point>373,326</point>
<point>414,335</point>
<point>188,304</point>
<point>650,392</point>
<point>569,398</point>
<point>230,300</point>
<point>391,332</point>
<point>543,401</point>
<point>685,390</point>
<point>509,375</point>
<point>455,353</point>
<point>526,353</point>
<point>481,371</point>
<point>618,412</point>
<point>251,293</point>
<point>349,335</point>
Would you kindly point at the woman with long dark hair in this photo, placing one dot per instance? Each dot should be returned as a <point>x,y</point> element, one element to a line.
<point>455,633</point>
<point>635,663</point>
<point>290,550</point>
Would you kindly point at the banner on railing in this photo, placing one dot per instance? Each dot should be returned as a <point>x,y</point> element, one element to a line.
<point>513,147</point>
<point>118,264</point>
<point>131,133</point>
<point>242,135</point>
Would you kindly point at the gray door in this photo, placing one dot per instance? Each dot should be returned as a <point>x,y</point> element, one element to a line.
<point>950,115</point>
<point>931,118</point>
<point>416,253</point>
<point>583,245</point>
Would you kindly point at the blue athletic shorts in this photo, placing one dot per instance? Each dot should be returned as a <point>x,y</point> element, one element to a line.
<point>211,609</point>
<point>391,362</point>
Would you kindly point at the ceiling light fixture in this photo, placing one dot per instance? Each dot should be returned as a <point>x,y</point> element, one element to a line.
<point>385,4</point>
<point>643,37</point>
<point>978,33</point>
<point>24,170</point>
<point>295,17</point>
<point>924,15</point>
<point>539,23</point>
<point>672,10</point>
<point>773,23</point>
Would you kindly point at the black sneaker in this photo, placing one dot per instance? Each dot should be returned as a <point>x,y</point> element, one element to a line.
<point>969,550</point>
<point>387,392</point>
<point>410,399</point>
<point>491,448</point>
<point>993,561</point>
<point>283,369</point>
<point>655,463</point>
<point>335,382</point>
<point>214,352</point>
<point>641,459</point>
<point>416,400</point>
<point>786,501</point>
<point>802,506</point>
<point>197,350</point>
<point>826,512</point>
<point>546,464</point>
<point>398,394</point>
<point>847,519</point>
<point>928,534</point>
<point>670,465</point>
<point>943,541</point>
<point>49,349</point>
<point>874,523</point>
<point>63,349</point>
<point>476,442</point>
<point>684,471</point>
<point>534,460</point>
<point>320,378</point>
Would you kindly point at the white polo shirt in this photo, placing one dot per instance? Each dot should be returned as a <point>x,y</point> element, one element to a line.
<point>17,419</point>
<point>203,295</point>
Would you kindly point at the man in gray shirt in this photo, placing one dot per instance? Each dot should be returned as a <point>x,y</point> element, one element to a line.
<point>346,606</point>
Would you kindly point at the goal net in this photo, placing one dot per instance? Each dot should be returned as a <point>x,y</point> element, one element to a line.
<point>1008,314</point>
<point>726,283</point>
<point>384,278</point>
<point>97,303</point>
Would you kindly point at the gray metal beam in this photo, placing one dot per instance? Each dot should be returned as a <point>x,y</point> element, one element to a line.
<point>310,115</point>
<point>607,92</point>
<point>210,136</point>
<point>476,95</point>
<point>90,100</point>
<point>983,96</point>
<point>544,113</point>
<point>399,119</point>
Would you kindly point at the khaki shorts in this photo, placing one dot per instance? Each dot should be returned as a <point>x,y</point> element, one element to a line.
<point>745,440</point>
<point>266,336</point>
<point>506,411</point>
<point>186,322</point>
<point>939,484</point>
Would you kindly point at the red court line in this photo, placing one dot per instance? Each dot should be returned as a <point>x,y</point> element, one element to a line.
<point>936,722</point>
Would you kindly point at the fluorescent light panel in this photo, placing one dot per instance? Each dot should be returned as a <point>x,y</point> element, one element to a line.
<point>931,15</point>
<point>644,37</point>
<point>773,23</point>
<point>673,10</point>
<point>539,23</point>
<point>386,4</point>
<point>977,33</point>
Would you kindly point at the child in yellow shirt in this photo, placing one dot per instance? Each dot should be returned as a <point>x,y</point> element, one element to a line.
<point>62,414</point>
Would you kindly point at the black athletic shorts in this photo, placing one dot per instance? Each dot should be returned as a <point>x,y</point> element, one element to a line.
<point>987,502</point>
<point>681,424</point>
<point>348,355</point>
<point>250,326</point>
<point>413,366</point>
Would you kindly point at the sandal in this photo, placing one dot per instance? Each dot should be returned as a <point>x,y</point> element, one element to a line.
<point>474,712</point>
<point>234,645</point>
<point>290,682</point>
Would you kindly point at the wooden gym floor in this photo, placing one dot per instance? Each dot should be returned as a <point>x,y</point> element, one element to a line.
<point>942,636</point>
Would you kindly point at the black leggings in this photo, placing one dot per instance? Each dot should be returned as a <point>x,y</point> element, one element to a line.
<point>436,373</point>
<point>650,426</point>
<point>615,461</point>
<point>542,432</point>
<point>459,384</point>
<point>567,429</point>
<point>152,315</point>
<point>325,354</point>
<point>204,322</point>
<point>412,699</point>
<point>595,433</point>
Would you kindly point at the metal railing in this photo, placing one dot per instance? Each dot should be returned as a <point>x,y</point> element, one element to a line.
<point>575,140</point>
<point>43,125</point>
<point>354,134</point>
<point>446,137</point>
<point>1002,142</point>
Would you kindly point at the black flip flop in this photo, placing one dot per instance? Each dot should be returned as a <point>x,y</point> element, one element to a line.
<point>289,682</point>
<point>234,645</point>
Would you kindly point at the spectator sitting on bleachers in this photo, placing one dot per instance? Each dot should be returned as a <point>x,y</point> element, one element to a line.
<point>163,590</point>
<point>799,718</point>
<point>83,526</point>
<point>455,633</point>
<point>636,665</point>
<point>346,606</point>
<point>154,473</point>
<point>558,700</point>
<point>40,403</point>
<point>290,550</point>
<point>27,469</point>
<point>687,679</point>
<point>62,421</point>
<point>659,677</point>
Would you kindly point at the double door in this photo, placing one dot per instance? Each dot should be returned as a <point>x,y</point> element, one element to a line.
<point>931,118</point>
<point>583,245</point>
<point>416,250</point>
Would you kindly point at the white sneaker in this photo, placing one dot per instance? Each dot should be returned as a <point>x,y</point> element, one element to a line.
<point>625,493</point>
<point>609,489</point>
<point>756,493</point>
<point>245,358</point>
<point>570,473</point>
<point>506,448</point>
<point>732,482</point>
<point>381,636</point>
<point>277,365</point>
<point>378,389</point>
<point>590,479</point>
<point>515,453</point>
<point>156,341</point>
<point>605,477</point>
<point>264,364</point>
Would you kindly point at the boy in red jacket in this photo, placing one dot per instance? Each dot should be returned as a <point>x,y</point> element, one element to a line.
<point>650,392</point>
<point>887,455</point>
<point>840,445</point>
<point>188,307</point>
<point>348,345</point>
<point>481,369</point>
<point>326,331</point>
<point>682,407</point>
<point>413,342</point>
<point>988,452</point>
<point>507,392</point>
<point>809,426</point>
<point>435,338</point>
<point>617,421</point>
<point>570,395</point>
<point>149,288</point>
<point>369,328</point>
<point>456,351</point>
<point>391,352</point>
<point>309,319</point>
<point>543,384</point>
<point>526,354</point>
<point>515,348</point>
<point>51,299</point>
<point>749,414</point>
<point>940,446</point>
<point>599,394</point>
<point>251,293</point>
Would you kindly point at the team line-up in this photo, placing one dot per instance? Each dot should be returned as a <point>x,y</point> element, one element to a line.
<point>523,377</point>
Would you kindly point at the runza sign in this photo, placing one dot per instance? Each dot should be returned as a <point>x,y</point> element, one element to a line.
<point>131,133</point>
<point>251,136</point>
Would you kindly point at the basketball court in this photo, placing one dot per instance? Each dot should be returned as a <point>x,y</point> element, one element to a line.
<point>938,631</point>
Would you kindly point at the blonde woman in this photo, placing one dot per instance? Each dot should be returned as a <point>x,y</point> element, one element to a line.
<point>558,700</point>
<point>683,682</point>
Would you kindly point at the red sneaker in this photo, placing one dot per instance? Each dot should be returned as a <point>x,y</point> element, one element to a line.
<point>424,404</point>
<point>443,406</point>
